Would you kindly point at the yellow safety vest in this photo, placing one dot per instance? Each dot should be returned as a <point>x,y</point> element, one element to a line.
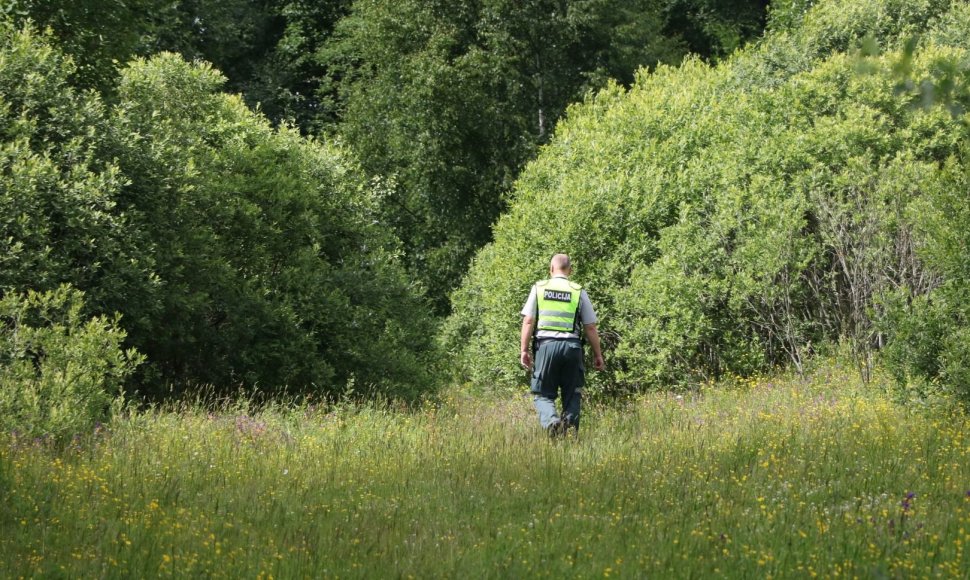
<point>558,300</point>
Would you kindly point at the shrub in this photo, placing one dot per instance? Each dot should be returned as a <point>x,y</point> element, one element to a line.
<point>930,329</point>
<point>59,372</point>
<point>238,254</point>
<point>273,266</point>
<point>730,218</point>
<point>59,220</point>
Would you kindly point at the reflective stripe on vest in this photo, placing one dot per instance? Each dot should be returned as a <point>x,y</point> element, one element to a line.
<point>558,301</point>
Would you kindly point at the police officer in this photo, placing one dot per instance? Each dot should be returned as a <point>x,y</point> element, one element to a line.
<point>556,316</point>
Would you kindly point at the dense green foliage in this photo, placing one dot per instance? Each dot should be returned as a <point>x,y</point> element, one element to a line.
<point>735,217</point>
<point>929,352</point>
<point>443,100</point>
<point>266,48</point>
<point>728,217</point>
<point>778,477</point>
<point>273,266</point>
<point>59,373</point>
<point>452,98</point>
<point>238,255</point>
<point>100,35</point>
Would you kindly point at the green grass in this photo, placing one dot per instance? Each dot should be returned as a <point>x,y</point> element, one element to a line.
<point>774,477</point>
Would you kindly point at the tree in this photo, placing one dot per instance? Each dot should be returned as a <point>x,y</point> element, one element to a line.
<point>59,219</point>
<point>445,100</point>
<point>237,254</point>
<point>59,373</point>
<point>450,99</point>
<point>266,50</point>
<point>271,265</point>
<point>100,35</point>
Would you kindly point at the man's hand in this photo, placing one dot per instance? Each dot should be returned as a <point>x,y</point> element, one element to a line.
<point>525,359</point>
<point>598,362</point>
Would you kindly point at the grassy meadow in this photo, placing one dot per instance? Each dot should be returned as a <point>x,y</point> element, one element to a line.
<point>775,477</point>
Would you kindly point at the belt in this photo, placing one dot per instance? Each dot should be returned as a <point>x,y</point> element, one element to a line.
<point>540,340</point>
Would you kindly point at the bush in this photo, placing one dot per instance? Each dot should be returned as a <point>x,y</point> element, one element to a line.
<point>729,219</point>
<point>59,372</point>
<point>59,220</point>
<point>238,254</point>
<point>930,329</point>
<point>273,266</point>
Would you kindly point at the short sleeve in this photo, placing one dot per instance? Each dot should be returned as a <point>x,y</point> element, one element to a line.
<point>531,307</point>
<point>586,313</point>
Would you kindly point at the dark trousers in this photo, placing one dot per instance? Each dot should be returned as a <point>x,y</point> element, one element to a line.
<point>559,370</point>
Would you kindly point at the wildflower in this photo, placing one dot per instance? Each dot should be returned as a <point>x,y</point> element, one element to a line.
<point>906,502</point>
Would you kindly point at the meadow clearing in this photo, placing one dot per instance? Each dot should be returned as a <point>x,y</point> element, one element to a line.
<point>772,477</point>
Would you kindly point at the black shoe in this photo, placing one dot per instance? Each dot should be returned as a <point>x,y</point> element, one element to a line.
<point>556,429</point>
<point>566,428</point>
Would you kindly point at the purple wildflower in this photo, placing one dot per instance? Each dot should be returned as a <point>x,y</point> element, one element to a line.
<point>906,502</point>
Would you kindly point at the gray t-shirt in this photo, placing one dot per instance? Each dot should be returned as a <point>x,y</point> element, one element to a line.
<point>586,313</point>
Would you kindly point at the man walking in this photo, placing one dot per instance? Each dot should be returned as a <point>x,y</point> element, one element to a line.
<point>556,316</point>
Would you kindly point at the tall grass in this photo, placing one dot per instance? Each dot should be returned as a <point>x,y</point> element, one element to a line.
<point>773,477</point>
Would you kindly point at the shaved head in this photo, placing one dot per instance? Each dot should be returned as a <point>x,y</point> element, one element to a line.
<point>560,263</point>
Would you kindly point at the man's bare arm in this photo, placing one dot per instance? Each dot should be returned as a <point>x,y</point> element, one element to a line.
<point>594,341</point>
<point>525,353</point>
